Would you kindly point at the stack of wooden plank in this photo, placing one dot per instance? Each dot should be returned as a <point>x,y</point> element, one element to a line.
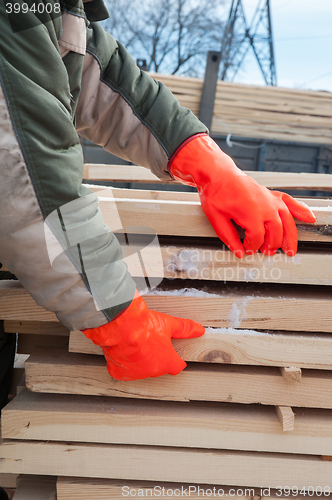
<point>250,416</point>
<point>260,111</point>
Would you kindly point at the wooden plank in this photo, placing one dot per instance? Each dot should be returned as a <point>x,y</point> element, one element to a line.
<point>25,308</point>
<point>286,106</point>
<point>292,180</point>
<point>243,347</point>
<point>179,80</point>
<point>244,128</point>
<point>312,267</point>
<point>32,327</point>
<point>191,220</point>
<point>26,342</point>
<point>164,464</point>
<point>57,417</point>
<point>8,480</point>
<point>35,488</point>
<point>124,173</point>
<point>302,119</point>
<point>254,114</point>
<point>153,209</point>
<point>220,305</point>
<point>261,115</point>
<point>258,91</point>
<point>259,126</point>
<point>267,95</point>
<point>286,417</point>
<point>108,489</point>
<point>306,123</point>
<point>302,115</point>
<point>294,132</point>
<point>18,373</point>
<point>153,194</point>
<point>291,373</point>
<point>274,91</point>
<point>311,133</point>
<point>275,180</point>
<point>290,115</point>
<point>311,105</point>
<point>180,196</point>
<point>21,385</point>
<point>305,232</point>
<point>290,106</point>
<point>57,371</point>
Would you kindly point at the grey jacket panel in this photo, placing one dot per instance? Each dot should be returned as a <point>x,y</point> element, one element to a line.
<point>105,118</point>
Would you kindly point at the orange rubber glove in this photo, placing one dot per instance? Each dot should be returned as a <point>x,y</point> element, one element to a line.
<point>137,343</point>
<point>227,194</point>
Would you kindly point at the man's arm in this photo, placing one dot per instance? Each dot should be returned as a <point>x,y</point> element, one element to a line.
<point>127,112</point>
<point>41,167</point>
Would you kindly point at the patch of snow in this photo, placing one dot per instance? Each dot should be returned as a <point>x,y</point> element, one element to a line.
<point>233,331</point>
<point>20,360</point>
<point>237,312</point>
<point>145,200</point>
<point>295,259</point>
<point>184,292</point>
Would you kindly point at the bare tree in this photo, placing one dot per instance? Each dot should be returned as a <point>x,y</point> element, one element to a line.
<point>173,36</point>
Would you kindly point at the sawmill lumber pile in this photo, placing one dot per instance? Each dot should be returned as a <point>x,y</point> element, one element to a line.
<point>260,111</point>
<point>251,413</point>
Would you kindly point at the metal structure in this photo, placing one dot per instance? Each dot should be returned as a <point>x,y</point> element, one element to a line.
<point>239,37</point>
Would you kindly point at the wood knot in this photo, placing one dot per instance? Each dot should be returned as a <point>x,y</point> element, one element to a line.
<point>217,356</point>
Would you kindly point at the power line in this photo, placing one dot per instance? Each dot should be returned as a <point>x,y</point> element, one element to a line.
<point>283,5</point>
<point>317,78</point>
<point>302,38</point>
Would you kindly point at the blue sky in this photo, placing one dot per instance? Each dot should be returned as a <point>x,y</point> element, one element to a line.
<point>302,32</point>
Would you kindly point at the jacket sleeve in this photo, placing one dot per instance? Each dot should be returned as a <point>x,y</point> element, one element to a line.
<point>126,111</point>
<point>52,234</point>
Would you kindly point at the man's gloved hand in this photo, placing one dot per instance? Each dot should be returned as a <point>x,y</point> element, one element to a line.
<point>227,194</point>
<point>137,343</point>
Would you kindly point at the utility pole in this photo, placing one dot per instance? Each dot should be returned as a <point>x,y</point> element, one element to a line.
<point>239,38</point>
